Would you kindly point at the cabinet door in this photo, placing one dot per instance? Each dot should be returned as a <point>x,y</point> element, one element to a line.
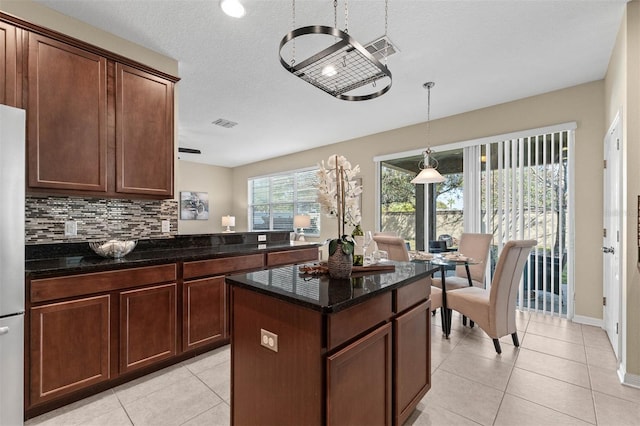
<point>412,354</point>
<point>361,374</point>
<point>144,133</point>
<point>204,312</point>
<point>69,347</point>
<point>147,326</point>
<point>9,65</point>
<point>66,117</point>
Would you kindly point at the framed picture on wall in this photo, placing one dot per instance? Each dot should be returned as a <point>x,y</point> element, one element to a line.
<point>194,205</point>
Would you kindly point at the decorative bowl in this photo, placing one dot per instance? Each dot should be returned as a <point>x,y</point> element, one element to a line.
<point>114,249</point>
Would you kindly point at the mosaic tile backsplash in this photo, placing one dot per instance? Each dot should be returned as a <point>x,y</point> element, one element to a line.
<point>97,219</point>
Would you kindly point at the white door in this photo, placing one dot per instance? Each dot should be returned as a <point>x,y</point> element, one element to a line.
<point>611,235</point>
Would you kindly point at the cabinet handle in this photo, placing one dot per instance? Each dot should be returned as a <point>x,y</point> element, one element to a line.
<point>4,330</point>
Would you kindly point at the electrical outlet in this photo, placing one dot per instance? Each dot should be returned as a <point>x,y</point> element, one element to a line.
<point>166,226</point>
<point>269,340</point>
<point>262,237</point>
<point>262,246</point>
<point>70,228</point>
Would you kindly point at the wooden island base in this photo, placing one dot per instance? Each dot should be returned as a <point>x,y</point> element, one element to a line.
<point>359,355</point>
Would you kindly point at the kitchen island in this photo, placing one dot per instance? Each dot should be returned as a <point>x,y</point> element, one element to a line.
<point>311,350</point>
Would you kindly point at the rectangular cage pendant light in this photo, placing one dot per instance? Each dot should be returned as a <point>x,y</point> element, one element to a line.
<point>341,67</point>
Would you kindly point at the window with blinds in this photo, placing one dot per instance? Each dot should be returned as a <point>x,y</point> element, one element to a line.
<point>274,201</point>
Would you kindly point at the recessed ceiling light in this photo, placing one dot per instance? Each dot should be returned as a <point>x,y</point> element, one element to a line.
<point>233,8</point>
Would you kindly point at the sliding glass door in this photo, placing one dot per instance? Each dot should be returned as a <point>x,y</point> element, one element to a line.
<point>514,186</point>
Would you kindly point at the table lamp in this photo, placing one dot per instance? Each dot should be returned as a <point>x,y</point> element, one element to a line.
<point>301,221</point>
<point>228,221</point>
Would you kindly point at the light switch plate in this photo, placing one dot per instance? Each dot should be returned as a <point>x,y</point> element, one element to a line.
<point>166,226</point>
<point>269,340</point>
<point>70,228</point>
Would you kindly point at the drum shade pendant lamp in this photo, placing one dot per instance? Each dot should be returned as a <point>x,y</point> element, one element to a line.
<point>428,165</point>
<point>341,69</point>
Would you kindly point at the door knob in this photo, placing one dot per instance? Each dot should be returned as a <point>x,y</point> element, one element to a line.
<point>608,250</point>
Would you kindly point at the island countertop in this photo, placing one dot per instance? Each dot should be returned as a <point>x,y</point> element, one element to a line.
<point>321,293</point>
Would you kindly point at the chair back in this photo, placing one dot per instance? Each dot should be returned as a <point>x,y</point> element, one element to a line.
<point>475,246</point>
<point>504,287</point>
<point>394,246</point>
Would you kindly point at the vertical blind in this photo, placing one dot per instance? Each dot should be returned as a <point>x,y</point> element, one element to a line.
<point>525,194</point>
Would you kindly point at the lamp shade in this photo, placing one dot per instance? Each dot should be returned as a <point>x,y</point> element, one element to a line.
<point>428,175</point>
<point>228,220</point>
<point>301,221</point>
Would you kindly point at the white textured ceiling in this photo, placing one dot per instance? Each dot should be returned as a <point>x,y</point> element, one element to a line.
<point>479,53</point>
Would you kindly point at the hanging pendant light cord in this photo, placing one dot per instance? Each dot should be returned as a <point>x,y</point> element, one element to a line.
<point>346,16</point>
<point>293,27</point>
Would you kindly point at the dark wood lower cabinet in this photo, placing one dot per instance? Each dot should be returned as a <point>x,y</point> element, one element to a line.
<point>147,326</point>
<point>204,318</point>
<point>360,374</point>
<point>412,368</point>
<point>69,346</point>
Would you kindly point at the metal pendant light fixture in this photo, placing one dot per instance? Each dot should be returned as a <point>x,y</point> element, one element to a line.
<point>428,165</point>
<point>341,68</point>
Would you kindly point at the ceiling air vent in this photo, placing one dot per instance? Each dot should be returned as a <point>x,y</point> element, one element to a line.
<point>381,47</point>
<point>189,150</point>
<point>225,123</point>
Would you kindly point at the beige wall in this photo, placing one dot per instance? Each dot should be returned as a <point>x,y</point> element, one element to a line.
<point>623,94</point>
<point>631,286</point>
<point>216,181</point>
<point>583,104</point>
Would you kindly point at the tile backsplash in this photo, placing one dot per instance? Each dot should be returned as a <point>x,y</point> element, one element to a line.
<point>97,219</point>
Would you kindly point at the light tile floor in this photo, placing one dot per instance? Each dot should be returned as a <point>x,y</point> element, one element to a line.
<point>563,374</point>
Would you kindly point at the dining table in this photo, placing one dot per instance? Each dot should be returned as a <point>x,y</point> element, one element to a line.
<point>444,261</point>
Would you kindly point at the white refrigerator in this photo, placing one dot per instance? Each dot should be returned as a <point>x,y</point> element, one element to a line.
<point>12,288</point>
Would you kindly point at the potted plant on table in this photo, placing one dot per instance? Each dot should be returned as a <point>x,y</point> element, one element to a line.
<point>338,194</point>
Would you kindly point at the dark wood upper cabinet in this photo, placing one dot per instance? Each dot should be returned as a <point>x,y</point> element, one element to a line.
<point>98,124</point>
<point>9,65</point>
<point>66,117</point>
<point>144,133</point>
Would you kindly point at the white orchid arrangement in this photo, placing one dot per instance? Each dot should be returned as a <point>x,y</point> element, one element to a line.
<point>338,194</point>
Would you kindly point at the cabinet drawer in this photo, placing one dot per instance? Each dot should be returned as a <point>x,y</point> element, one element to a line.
<point>409,295</point>
<point>221,266</point>
<point>289,257</point>
<point>83,284</point>
<point>353,321</point>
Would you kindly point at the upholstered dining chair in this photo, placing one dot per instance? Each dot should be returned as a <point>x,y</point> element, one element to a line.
<point>475,246</point>
<point>394,246</point>
<point>494,310</point>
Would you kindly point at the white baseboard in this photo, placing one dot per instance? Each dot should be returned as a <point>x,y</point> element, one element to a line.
<point>588,321</point>
<point>632,380</point>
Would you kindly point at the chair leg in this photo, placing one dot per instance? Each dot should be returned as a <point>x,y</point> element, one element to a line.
<point>496,344</point>
<point>514,337</point>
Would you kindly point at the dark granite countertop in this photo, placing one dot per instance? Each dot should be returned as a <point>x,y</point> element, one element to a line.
<point>70,258</point>
<point>324,294</point>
